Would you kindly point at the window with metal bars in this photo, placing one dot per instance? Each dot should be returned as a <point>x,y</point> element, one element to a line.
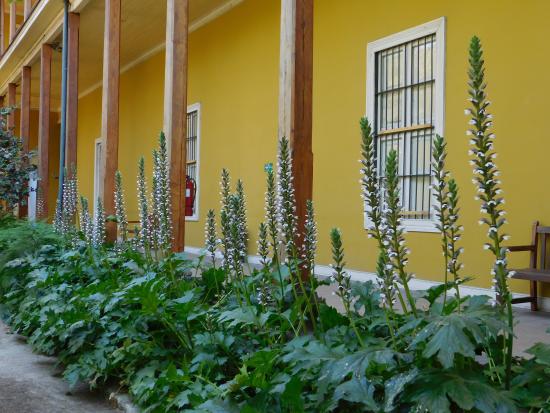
<point>406,110</point>
<point>193,142</point>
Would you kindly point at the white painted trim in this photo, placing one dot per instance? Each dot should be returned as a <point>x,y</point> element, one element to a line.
<point>324,271</point>
<point>33,187</point>
<point>161,46</point>
<point>192,108</point>
<point>437,27</point>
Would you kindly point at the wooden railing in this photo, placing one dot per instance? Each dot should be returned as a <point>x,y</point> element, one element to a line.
<point>10,24</point>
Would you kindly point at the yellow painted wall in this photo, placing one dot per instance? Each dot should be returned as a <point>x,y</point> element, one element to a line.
<point>234,75</point>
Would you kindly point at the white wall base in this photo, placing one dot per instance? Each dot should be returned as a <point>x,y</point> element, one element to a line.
<point>415,284</point>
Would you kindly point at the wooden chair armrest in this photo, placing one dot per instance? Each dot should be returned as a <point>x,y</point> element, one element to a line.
<point>517,248</point>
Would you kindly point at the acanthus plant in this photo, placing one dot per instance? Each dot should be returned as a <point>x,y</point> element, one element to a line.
<point>211,237</point>
<point>66,208</point>
<point>489,191</point>
<point>98,228</point>
<point>145,236</point>
<point>377,223</point>
<point>161,198</point>
<point>86,221</point>
<point>446,212</point>
<point>120,208</point>
<point>397,250</point>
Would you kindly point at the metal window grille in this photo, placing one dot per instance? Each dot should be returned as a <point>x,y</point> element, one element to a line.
<point>404,119</point>
<point>192,146</point>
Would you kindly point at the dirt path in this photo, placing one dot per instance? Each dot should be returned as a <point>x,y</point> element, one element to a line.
<point>30,383</point>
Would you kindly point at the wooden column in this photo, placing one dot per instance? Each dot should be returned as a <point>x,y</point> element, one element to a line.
<point>44,126</point>
<point>175,110</point>
<point>12,90</point>
<point>13,21</point>
<point>27,7</point>
<point>25,120</point>
<point>110,107</point>
<point>72,91</point>
<point>2,26</point>
<point>25,116</point>
<point>296,95</point>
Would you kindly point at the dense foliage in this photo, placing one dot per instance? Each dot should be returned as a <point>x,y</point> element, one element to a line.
<point>217,334</point>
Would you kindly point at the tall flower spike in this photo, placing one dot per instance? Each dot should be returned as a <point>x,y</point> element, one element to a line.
<point>446,211</point>
<point>236,254</point>
<point>65,213</point>
<point>40,205</point>
<point>263,246</point>
<point>488,184</point>
<point>211,237</point>
<point>454,234</point>
<point>143,205</point>
<point>98,232</point>
<point>286,201</point>
<point>378,228</point>
<point>398,252</point>
<point>339,275</point>
<point>309,248</point>
<point>441,208</point>
<point>225,189</point>
<point>240,215</point>
<point>225,218</point>
<point>342,278</point>
<point>162,197</point>
<point>271,212</point>
<point>86,223</point>
<point>120,207</point>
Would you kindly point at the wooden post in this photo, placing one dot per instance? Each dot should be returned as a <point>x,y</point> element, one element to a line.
<point>12,90</point>
<point>25,120</point>
<point>110,107</point>
<point>175,110</point>
<point>13,21</point>
<point>2,26</point>
<point>44,126</point>
<point>25,115</point>
<point>72,91</point>
<point>295,97</point>
<point>27,7</point>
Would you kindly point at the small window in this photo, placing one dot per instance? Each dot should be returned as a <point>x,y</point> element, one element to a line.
<point>406,106</point>
<point>193,161</point>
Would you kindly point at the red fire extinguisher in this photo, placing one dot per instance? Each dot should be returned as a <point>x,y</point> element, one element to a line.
<point>190,194</point>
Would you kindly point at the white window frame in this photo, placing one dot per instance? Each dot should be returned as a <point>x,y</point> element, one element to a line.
<point>195,107</point>
<point>437,27</point>
<point>98,173</point>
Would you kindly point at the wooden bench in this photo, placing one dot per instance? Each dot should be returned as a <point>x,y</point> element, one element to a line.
<point>534,273</point>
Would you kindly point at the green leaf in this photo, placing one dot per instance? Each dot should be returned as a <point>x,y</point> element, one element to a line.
<point>541,351</point>
<point>292,396</point>
<point>449,340</point>
<point>357,390</point>
<point>395,386</point>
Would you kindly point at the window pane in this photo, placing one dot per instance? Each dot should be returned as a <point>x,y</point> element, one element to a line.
<point>404,104</point>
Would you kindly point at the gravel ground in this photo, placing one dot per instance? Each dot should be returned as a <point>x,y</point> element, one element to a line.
<point>31,383</point>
